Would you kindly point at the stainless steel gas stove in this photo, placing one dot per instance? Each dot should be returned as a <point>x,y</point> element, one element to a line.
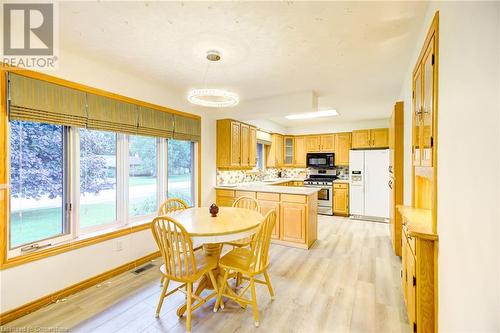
<point>322,179</point>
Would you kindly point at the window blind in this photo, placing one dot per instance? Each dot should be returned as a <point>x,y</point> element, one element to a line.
<point>155,123</point>
<point>41,101</point>
<point>109,114</point>
<point>186,128</point>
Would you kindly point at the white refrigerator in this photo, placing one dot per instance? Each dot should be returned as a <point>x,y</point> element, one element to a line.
<point>368,180</point>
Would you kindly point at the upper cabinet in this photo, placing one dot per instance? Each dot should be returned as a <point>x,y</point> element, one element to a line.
<point>236,145</point>
<point>342,147</point>
<point>370,138</point>
<point>274,152</point>
<point>320,143</point>
<point>424,107</point>
<point>300,151</point>
<point>289,150</point>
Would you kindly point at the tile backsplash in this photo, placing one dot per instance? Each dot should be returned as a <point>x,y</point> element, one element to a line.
<point>225,177</point>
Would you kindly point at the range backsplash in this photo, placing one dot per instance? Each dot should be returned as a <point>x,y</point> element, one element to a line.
<point>225,177</point>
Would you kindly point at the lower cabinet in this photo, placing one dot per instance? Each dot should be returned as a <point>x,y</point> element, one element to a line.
<point>417,280</point>
<point>268,201</point>
<point>225,198</point>
<point>293,222</point>
<point>296,215</point>
<point>341,199</point>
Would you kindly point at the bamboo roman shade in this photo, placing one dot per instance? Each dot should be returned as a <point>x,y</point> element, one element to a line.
<point>187,128</point>
<point>155,123</point>
<point>41,101</point>
<point>109,114</point>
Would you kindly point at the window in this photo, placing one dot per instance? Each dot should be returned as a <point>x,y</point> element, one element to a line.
<point>38,182</point>
<point>115,179</point>
<point>98,166</point>
<point>180,159</point>
<point>260,156</point>
<point>142,161</point>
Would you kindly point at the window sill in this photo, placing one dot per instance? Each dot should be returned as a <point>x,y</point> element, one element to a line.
<point>82,241</point>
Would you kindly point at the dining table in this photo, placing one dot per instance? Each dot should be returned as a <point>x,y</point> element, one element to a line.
<point>230,224</point>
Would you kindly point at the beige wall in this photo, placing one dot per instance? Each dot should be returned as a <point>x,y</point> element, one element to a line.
<point>468,164</point>
<point>22,284</point>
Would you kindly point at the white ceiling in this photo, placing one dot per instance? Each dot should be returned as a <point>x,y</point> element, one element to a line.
<point>352,55</point>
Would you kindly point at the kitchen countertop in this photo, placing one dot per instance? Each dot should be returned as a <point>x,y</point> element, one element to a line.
<point>343,181</point>
<point>269,186</point>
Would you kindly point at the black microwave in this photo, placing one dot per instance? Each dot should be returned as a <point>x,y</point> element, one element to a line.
<point>320,160</point>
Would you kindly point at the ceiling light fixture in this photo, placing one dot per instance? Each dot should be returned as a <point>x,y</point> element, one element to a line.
<point>309,115</point>
<point>215,98</point>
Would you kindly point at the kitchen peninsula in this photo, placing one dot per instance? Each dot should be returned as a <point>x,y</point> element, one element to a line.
<point>296,207</point>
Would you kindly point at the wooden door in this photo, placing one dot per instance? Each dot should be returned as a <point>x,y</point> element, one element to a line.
<point>417,118</point>
<point>266,206</point>
<point>361,139</point>
<point>235,144</point>
<point>252,143</point>
<point>342,147</point>
<point>379,138</point>
<point>427,105</point>
<point>300,152</point>
<point>292,222</point>
<point>313,143</point>
<point>341,200</point>
<point>288,150</point>
<point>245,149</point>
<point>327,143</point>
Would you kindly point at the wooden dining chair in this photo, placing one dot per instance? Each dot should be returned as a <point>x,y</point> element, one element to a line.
<point>169,206</point>
<point>182,263</point>
<point>250,263</point>
<point>248,203</point>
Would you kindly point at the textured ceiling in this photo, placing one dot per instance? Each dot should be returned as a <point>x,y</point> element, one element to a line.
<point>352,55</point>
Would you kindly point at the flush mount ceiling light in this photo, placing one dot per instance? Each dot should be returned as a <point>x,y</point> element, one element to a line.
<point>309,115</point>
<point>216,98</point>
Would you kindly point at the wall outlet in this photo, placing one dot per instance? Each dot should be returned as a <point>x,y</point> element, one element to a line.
<point>119,245</point>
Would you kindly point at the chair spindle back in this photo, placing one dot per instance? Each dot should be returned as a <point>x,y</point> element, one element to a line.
<point>261,242</point>
<point>171,205</point>
<point>175,246</point>
<point>248,203</point>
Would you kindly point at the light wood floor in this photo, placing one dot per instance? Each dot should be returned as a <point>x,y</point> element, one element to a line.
<point>348,282</point>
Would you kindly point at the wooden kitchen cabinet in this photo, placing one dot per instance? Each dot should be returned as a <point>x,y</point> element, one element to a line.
<point>327,143</point>
<point>424,91</point>
<point>418,268</point>
<point>224,198</point>
<point>370,138</point>
<point>288,151</point>
<point>341,199</point>
<point>274,152</point>
<point>252,153</point>
<point>320,143</point>
<point>361,139</point>
<point>300,152</point>
<point>296,214</point>
<point>379,138</point>
<point>313,143</point>
<point>342,148</point>
<point>236,145</point>
<point>268,201</point>
<point>245,147</point>
<point>293,222</point>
